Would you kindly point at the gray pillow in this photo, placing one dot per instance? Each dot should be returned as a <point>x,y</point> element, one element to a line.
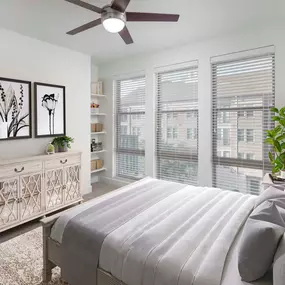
<point>261,235</point>
<point>279,264</point>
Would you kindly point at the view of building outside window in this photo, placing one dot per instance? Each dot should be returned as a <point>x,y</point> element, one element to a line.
<point>243,96</point>
<point>177,126</point>
<point>130,117</point>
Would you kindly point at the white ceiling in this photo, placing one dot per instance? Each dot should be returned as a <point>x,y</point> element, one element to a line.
<point>49,20</point>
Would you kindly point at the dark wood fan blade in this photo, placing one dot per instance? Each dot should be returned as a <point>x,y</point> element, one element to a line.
<point>151,17</point>
<point>85,27</point>
<point>120,5</point>
<point>126,36</point>
<point>85,5</point>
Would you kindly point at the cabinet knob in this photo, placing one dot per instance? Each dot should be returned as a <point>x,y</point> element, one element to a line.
<point>64,187</point>
<point>63,162</point>
<point>18,171</point>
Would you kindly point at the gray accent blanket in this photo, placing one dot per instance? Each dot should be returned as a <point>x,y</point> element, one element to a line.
<point>152,232</point>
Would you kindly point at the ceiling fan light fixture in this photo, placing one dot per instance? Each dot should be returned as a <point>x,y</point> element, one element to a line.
<point>113,21</point>
<point>113,25</point>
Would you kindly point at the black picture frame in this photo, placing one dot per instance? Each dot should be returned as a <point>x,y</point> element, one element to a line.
<point>29,83</point>
<point>36,85</point>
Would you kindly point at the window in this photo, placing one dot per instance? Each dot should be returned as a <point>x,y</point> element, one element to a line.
<point>249,135</point>
<point>169,133</point>
<point>226,153</point>
<point>245,89</point>
<point>177,97</point>
<point>240,135</point>
<point>175,133</point>
<point>241,155</point>
<point>249,114</point>
<point>130,116</point>
<point>226,137</point>
<point>191,134</point>
<point>124,130</point>
<point>249,156</point>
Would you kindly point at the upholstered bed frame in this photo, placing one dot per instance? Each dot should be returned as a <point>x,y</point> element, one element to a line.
<point>52,253</point>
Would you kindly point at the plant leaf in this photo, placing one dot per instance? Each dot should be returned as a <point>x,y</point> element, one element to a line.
<point>279,162</point>
<point>277,146</point>
<point>275,110</point>
<point>281,138</point>
<point>275,169</point>
<point>276,130</point>
<point>282,122</point>
<point>269,141</point>
<point>276,118</point>
<point>283,145</point>
<point>269,134</point>
<point>271,158</point>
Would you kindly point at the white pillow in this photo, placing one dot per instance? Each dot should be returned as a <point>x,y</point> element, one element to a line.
<point>279,264</point>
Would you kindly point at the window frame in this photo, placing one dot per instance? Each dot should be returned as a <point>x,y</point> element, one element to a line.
<point>173,114</point>
<point>263,165</point>
<point>132,115</point>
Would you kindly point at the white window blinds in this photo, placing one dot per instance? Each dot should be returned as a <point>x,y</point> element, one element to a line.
<point>243,93</point>
<point>177,125</point>
<point>130,117</point>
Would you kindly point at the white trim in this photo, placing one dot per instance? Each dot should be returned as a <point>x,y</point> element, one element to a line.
<point>243,54</point>
<point>176,66</point>
<point>129,75</point>
<point>114,181</point>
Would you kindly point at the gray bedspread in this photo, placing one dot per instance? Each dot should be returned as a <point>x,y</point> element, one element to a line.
<point>152,232</point>
<point>84,234</point>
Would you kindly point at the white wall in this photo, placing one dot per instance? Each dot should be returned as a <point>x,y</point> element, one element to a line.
<point>202,51</point>
<point>28,59</point>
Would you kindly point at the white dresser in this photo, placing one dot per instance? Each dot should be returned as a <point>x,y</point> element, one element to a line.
<point>34,186</point>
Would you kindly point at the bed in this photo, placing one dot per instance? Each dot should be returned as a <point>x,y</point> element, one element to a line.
<point>150,232</point>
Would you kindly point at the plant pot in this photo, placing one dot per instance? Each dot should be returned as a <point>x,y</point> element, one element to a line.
<point>61,148</point>
<point>282,174</point>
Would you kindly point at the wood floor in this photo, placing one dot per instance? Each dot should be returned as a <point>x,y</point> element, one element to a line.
<point>98,189</point>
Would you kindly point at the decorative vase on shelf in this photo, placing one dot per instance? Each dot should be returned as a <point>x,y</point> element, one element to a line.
<point>62,147</point>
<point>50,148</point>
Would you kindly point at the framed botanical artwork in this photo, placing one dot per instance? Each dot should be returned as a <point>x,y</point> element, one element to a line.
<point>50,110</point>
<point>15,109</point>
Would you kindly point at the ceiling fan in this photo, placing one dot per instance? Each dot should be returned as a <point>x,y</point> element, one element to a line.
<point>114,18</point>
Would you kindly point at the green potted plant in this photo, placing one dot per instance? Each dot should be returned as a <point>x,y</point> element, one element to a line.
<point>276,138</point>
<point>62,144</point>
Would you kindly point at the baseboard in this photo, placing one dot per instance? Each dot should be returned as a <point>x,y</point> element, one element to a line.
<point>114,181</point>
<point>89,190</point>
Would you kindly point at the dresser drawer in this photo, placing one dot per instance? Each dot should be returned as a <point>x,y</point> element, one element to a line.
<point>62,161</point>
<point>20,168</point>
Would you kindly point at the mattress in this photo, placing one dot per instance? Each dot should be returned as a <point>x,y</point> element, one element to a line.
<point>188,234</point>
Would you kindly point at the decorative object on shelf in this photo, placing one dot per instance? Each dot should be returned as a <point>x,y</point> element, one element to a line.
<point>50,149</point>
<point>96,164</point>
<point>50,110</point>
<point>96,146</point>
<point>96,127</point>
<point>276,138</point>
<point>94,105</point>
<point>15,109</point>
<point>97,87</point>
<point>62,144</point>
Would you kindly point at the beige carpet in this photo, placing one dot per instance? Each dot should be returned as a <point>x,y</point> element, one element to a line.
<point>21,260</point>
